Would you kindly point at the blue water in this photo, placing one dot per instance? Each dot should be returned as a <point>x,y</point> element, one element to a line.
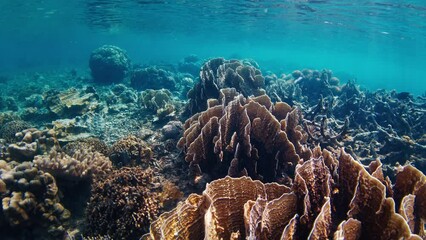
<point>381,44</point>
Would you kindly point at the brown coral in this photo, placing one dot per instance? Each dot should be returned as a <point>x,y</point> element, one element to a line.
<point>87,143</point>
<point>219,73</point>
<point>122,204</point>
<point>244,137</point>
<point>30,198</point>
<point>83,164</point>
<point>71,102</point>
<point>9,129</point>
<point>130,151</point>
<point>347,203</point>
<point>221,213</point>
<point>32,142</point>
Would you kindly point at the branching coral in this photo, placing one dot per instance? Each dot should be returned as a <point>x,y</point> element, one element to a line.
<point>370,125</point>
<point>219,73</point>
<point>244,137</point>
<point>330,197</point>
<point>122,204</point>
<point>30,199</point>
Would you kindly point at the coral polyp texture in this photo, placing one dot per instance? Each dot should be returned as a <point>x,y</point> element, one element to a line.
<point>109,64</point>
<point>9,129</point>
<point>30,198</point>
<point>159,102</point>
<point>122,204</point>
<point>330,197</point>
<point>219,73</point>
<point>83,164</point>
<point>32,142</point>
<point>244,136</point>
<point>130,151</point>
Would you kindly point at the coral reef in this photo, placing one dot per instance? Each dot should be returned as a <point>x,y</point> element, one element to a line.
<point>30,200</point>
<point>381,124</point>
<point>92,143</point>
<point>8,103</point>
<point>32,142</point>
<point>153,78</point>
<point>6,117</point>
<point>158,101</point>
<point>329,197</point>
<point>190,64</point>
<point>219,73</point>
<point>130,151</point>
<point>292,178</point>
<point>71,102</point>
<point>244,137</point>
<point>172,130</point>
<point>109,64</point>
<point>83,164</point>
<point>9,129</point>
<point>122,204</point>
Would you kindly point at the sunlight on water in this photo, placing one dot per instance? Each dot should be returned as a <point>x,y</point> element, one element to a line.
<point>382,43</point>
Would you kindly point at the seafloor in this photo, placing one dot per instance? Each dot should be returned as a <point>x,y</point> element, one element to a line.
<point>249,154</point>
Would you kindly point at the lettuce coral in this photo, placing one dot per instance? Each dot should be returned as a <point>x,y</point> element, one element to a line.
<point>244,137</point>
<point>331,196</point>
<point>218,73</point>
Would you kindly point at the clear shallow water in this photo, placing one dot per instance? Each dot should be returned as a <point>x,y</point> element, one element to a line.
<point>382,44</point>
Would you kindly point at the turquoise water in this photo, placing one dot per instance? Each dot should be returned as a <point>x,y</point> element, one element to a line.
<point>381,44</point>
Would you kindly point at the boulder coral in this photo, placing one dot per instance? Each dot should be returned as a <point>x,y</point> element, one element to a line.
<point>240,136</point>
<point>122,204</point>
<point>332,197</point>
<point>219,73</point>
<point>30,199</point>
<point>130,151</point>
<point>109,64</point>
<point>153,78</point>
<point>9,129</point>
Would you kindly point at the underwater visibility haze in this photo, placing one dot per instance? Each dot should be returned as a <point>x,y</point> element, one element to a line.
<point>193,119</point>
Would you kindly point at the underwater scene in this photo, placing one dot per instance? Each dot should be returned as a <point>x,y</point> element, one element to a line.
<point>195,119</point>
